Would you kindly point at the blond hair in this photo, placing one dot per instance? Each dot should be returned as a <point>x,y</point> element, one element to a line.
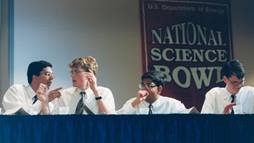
<point>87,63</point>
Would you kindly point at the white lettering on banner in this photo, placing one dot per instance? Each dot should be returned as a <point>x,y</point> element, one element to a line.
<point>194,45</point>
<point>188,55</point>
<point>201,75</point>
<point>187,34</point>
<point>176,72</point>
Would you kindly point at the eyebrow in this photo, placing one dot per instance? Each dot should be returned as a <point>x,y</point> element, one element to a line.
<point>46,72</point>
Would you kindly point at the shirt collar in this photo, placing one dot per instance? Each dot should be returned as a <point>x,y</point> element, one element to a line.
<point>88,92</point>
<point>227,95</point>
<point>155,103</point>
<point>31,92</point>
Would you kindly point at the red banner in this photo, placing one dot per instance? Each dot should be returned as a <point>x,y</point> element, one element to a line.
<point>188,41</point>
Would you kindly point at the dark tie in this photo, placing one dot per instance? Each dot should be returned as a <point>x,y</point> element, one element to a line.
<point>35,98</point>
<point>232,101</point>
<point>80,106</point>
<point>150,109</point>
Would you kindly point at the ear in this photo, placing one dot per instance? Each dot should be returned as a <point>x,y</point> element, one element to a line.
<point>225,79</point>
<point>160,89</point>
<point>34,77</point>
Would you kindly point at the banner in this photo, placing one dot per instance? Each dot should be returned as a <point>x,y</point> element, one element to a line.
<point>188,41</point>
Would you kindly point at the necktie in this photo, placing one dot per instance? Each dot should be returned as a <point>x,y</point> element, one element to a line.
<point>232,101</point>
<point>35,98</point>
<point>150,109</point>
<point>80,106</point>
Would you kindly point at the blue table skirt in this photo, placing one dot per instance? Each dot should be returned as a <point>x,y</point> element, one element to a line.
<point>173,128</point>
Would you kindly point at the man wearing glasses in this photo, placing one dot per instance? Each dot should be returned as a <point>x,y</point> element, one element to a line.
<point>85,97</point>
<point>234,98</point>
<point>30,99</point>
<point>149,99</point>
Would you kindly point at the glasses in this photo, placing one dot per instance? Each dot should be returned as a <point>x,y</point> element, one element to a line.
<point>76,71</point>
<point>146,85</point>
<point>47,74</point>
<point>237,83</point>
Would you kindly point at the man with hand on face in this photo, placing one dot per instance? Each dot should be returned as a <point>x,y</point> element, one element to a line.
<point>30,99</point>
<point>85,97</point>
<point>234,98</point>
<point>149,99</point>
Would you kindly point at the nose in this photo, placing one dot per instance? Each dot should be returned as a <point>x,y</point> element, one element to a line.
<point>146,87</point>
<point>72,75</point>
<point>51,77</point>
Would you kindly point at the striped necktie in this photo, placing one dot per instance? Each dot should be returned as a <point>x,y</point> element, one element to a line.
<point>80,106</point>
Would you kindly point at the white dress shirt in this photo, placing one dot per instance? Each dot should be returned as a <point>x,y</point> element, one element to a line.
<point>67,102</point>
<point>20,97</point>
<point>163,105</point>
<point>217,98</point>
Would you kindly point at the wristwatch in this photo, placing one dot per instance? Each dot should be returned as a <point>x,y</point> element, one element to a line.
<point>98,98</point>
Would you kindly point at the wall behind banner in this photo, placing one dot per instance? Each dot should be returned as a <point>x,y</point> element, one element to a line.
<point>61,30</point>
<point>243,35</point>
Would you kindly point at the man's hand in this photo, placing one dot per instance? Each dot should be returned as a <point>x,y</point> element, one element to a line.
<point>42,96</point>
<point>41,92</point>
<point>141,96</point>
<point>54,94</point>
<point>92,80</point>
<point>228,108</point>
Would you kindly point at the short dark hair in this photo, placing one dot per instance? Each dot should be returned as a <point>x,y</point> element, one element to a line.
<point>157,77</point>
<point>35,68</point>
<point>233,67</point>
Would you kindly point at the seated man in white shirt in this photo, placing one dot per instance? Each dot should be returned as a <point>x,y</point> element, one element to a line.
<point>85,97</point>
<point>233,98</point>
<point>149,99</point>
<point>30,99</point>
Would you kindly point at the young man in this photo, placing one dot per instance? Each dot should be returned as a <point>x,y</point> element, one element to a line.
<point>85,97</point>
<point>30,99</point>
<point>149,99</point>
<point>233,98</point>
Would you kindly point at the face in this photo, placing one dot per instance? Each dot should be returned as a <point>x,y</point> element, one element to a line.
<point>45,77</point>
<point>78,76</point>
<point>150,87</point>
<point>233,83</point>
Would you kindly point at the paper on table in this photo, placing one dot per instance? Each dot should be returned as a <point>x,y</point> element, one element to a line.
<point>192,110</point>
